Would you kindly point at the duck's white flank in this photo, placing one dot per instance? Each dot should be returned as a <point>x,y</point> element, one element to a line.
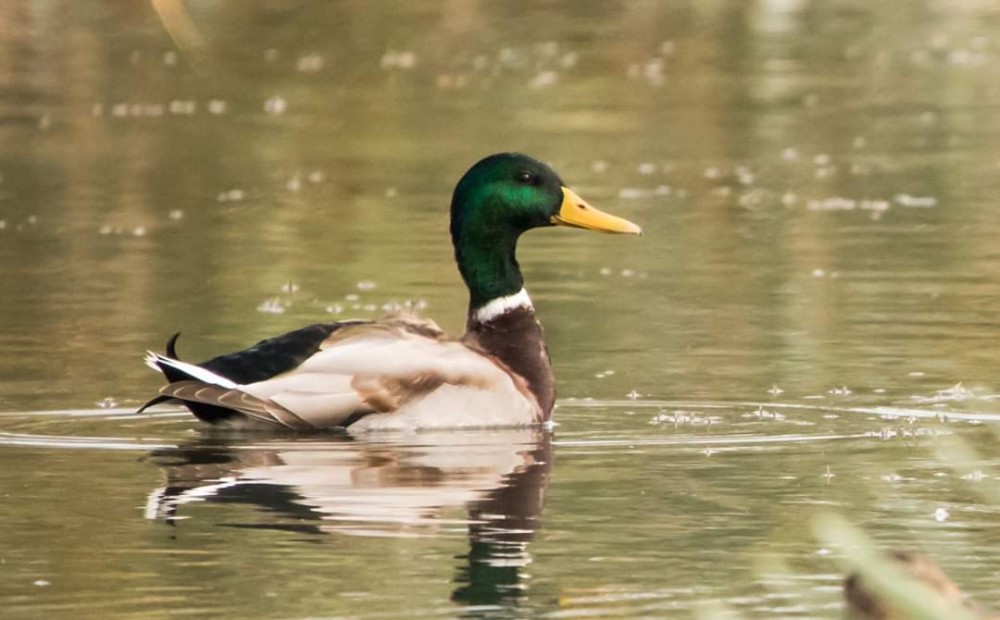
<point>502,305</point>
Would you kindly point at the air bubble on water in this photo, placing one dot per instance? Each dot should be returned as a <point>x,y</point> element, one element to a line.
<point>294,184</point>
<point>633,395</point>
<point>289,288</point>
<point>646,168</point>
<point>352,297</point>
<point>136,109</point>
<point>628,273</point>
<point>32,220</point>
<point>366,285</point>
<point>119,110</point>
<point>275,106</point>
<point>44,122</point>
<point>217,106</point>
<point>916,373</point>
<point>3,224</point>
<point>272,305</point>
<point>789,154</point>
<point>170,58</point>
<point>175,215</point>
<point>153,109</point>
<point>390,192</point>
<point>713,172</point>
<point>775,390</point>
<point>840,391</point>
<point>789,198</point>
<point>41,583</point>
<point>662,190</point>
<point>370,307</point>
<point>334,309</point>
<point>139,231</point>
<point>941,515</point>
<point>605,271</point>
<point>316,176</point>
<point>106,229</point>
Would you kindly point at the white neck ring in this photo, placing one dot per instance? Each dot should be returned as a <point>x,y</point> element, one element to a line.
<point>501,306</point>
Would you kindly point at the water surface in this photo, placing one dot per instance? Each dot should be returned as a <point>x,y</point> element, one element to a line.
<point>812,306</point>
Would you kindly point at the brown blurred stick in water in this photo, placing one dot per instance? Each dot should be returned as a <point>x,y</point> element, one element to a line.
<point>178,23</point>
<point>865,603</point>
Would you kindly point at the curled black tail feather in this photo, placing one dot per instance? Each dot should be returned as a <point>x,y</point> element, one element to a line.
<point>171,352</point>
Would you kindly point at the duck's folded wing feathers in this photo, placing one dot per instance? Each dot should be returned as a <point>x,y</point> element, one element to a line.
<point>361,369</point>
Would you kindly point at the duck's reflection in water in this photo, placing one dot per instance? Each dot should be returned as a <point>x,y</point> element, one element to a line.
<point>386,486</point>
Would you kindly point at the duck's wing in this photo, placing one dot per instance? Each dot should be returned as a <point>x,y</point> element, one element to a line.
<point>359,369</point>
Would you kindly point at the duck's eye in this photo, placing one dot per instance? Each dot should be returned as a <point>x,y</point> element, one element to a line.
<point>525,177</point>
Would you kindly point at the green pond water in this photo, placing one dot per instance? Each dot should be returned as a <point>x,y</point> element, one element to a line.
<point>811,312</point>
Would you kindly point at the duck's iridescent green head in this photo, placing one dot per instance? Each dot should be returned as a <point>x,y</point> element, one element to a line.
<point>501,197</point>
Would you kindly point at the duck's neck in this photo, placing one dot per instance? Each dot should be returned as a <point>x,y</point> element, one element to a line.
<point>506,328</point>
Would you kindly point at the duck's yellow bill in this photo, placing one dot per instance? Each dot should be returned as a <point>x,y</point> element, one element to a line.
<point>577,213</point>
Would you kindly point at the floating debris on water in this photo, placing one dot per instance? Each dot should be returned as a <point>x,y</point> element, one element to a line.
<point>775,390</point>
<point>107,402</point>
<point>941,515</point>
<point>275,106</point>
<point>633,395</point>
<point>907,200</point>
<point>680,417</point>
<point>393,59</point>
<point>232,195</point>
<point>310,63</point>
<point>272,305</point>
<point>217,106</point>
<point>543,79</point>
<point>179,107</point>
<point>366,285</point>
<point>289,288</point>
<point>841,391</point>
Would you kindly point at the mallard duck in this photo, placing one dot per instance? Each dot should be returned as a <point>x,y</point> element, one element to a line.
<point>403,372</point>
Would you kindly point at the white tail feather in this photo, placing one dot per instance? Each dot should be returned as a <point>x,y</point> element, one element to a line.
<point>153,360</point>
